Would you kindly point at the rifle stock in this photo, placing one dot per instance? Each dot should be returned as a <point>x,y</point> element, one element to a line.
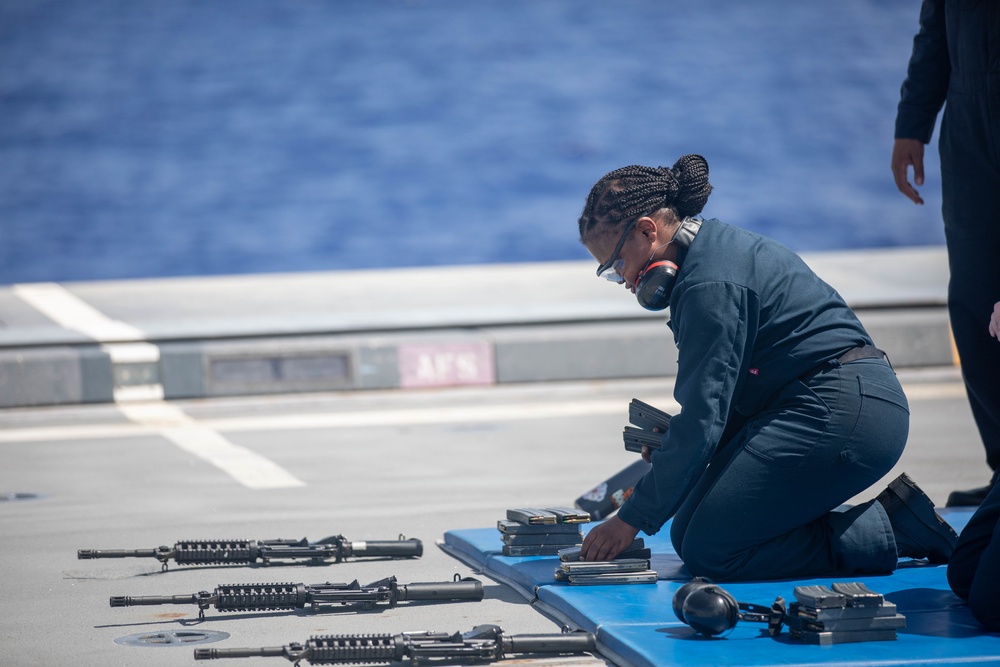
<point>459,589</point>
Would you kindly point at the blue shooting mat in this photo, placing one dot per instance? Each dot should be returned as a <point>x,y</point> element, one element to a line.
<point>635,624</point>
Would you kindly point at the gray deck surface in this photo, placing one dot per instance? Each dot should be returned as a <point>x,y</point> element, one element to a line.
<point>366,462</point>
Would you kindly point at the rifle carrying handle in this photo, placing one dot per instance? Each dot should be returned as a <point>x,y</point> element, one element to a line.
<point>411,548</point>
<point>460,589</point>
<point>566,642</point>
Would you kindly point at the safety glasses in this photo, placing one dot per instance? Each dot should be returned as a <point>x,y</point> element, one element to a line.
<point>612,269</point>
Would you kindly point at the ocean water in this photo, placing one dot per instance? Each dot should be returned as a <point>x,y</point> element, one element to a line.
<point>144,138</point>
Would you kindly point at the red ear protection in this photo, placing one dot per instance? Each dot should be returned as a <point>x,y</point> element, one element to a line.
<point>656,281</point>
<point>655,284</point>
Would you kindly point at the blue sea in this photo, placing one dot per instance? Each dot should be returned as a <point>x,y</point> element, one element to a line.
<point>148,138</point>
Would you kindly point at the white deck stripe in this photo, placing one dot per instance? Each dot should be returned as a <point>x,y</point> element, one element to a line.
<point>403,417</point>
<point>143,404</point>
<point>63,307</point>
<point>246,467</point>
<point>358,419</point>
<point>124,343</point>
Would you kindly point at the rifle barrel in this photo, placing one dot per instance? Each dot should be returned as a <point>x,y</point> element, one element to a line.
<point>130,601</point>
<point>214,653</point>
<point>84,554</point>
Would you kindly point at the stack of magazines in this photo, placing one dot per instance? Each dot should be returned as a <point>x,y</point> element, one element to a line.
<point>840,614</point>
<point>541,532</point>
<point>630,567</point>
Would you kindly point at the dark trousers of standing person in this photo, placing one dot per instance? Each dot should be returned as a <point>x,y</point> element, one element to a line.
<point>970,181</point>
<point>764,509</point>
<point>974,567</point>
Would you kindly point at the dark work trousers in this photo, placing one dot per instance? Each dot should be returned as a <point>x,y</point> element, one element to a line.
<point>970,183</point>
<point>765,507</point>
<point>974,567</point>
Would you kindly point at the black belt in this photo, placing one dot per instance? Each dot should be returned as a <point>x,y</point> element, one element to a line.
<point>854,354</point>
<point>862,352</point>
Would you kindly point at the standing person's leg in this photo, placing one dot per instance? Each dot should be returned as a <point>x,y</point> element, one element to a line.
<point>974,568</point>
<point>973,289</point>
<point>764,509</point>
<point>970,183</point>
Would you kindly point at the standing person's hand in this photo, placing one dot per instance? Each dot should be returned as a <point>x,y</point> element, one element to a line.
<point>908,153</point>
<point>608,540</point>
<point>995,321</point>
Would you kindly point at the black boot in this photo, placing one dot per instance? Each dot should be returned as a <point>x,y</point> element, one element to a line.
<point>919,531</point>
<point>972,497</point>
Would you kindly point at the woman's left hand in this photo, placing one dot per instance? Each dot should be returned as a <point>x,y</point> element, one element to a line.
<point>607,540</point>
<point>995,321</point>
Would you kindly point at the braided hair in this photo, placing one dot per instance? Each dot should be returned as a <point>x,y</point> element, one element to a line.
<point>628,192</point>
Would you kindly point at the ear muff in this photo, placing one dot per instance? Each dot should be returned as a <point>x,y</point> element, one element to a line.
<point>712,611</point>
<point>654,285</point>
<point>707,608</point>
<point>681,595</point>
<point>656,281</point>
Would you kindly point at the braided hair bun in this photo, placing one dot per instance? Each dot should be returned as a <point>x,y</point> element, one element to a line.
<point>631,191</point>
<point>693,188</point>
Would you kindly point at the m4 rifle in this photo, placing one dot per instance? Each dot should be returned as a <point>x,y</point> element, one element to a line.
<point>335,548</point>
<point>280,596</point>
<point>484,643</point>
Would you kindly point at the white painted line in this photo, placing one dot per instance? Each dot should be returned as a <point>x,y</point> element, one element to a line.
<point>138,392</point>
<point>498,413</point>
<point>246,467</point>
<point>70,312</point>
<point>81,432</point>
<point>143,404</point>
<point>934,391</point>
<point>63,307</point>
<point>358,419</point>
<point>132,353</point>
<point>471,414</point>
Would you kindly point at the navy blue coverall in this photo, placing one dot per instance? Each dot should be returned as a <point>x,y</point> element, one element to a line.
<point>956,59</point>
<point>974,566</point>
<point>773,433</point>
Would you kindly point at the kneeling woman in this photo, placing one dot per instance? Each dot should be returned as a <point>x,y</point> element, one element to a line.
<point>787,407</point>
